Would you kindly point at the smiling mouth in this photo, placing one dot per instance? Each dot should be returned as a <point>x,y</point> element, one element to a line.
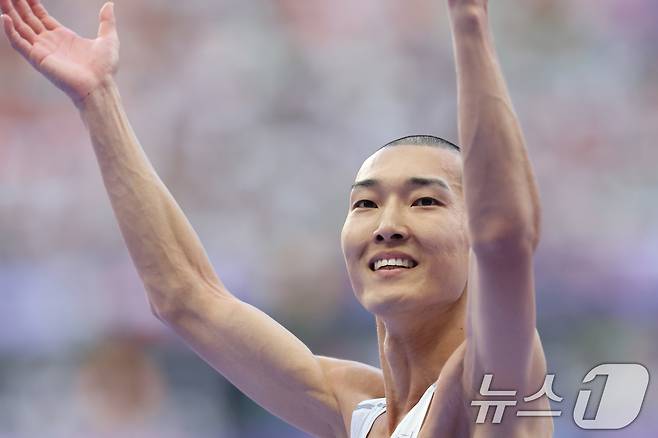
<point>391,264</point>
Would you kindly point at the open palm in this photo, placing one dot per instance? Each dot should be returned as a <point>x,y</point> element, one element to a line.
<point>74,64</point>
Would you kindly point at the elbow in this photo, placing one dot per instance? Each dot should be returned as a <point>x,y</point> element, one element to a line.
<point>164,310</point>
<point>468,19</point>
<point>167,303</point>
<point>505,238</point>
<point>175,304</point>
<point>155,311</point>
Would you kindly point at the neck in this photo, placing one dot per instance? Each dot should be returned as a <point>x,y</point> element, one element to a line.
<point>413,350</point>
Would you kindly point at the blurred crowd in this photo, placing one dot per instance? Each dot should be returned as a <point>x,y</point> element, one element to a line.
<point>257,116</point>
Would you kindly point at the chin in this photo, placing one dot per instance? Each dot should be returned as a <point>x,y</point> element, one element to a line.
<point>389,301</point>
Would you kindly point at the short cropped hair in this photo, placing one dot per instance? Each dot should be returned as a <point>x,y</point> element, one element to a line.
<point>423,140</point>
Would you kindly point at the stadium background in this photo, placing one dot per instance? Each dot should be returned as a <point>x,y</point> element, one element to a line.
<point>257,115</point>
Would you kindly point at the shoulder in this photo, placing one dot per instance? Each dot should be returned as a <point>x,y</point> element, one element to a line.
<point>528,384</point>
<point>352,382</point>
<point>532,377</point>
<point>348,376</point>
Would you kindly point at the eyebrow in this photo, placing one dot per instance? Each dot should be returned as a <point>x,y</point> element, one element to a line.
<point>414,181</point>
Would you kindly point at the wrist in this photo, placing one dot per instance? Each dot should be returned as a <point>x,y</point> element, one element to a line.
<point>106,88</point>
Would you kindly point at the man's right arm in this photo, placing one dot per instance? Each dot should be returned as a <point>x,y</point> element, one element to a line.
<point>255,353</point>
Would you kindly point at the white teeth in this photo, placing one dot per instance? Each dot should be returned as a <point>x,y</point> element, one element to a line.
<point>406,263</point>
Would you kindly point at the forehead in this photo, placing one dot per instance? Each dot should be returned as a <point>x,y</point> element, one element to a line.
<point>398,163</point>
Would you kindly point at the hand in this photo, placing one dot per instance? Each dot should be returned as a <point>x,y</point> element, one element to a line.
<point>74,64</point>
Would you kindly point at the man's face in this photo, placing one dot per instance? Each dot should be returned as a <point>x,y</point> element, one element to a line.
<point>407,206</point>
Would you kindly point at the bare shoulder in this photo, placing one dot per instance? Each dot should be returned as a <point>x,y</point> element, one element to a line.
<point>533,377</point>
<point>350,378</point>
<point>351,382</point>
<point>451,412</point>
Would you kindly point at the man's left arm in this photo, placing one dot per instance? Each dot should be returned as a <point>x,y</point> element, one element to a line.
<point>503,210</point>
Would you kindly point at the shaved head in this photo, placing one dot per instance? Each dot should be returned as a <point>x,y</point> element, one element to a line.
<point>423,140</point>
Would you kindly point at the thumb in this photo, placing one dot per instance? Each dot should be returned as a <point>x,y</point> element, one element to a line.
<point>107,25</point>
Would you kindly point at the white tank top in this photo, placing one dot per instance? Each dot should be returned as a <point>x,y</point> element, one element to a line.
<point>367,412</point>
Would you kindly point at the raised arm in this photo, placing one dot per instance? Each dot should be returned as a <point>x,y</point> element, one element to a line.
<point>250,349</point>
<point>503,210</point>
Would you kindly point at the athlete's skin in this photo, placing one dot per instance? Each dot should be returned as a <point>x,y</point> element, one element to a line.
<point>467,308</point>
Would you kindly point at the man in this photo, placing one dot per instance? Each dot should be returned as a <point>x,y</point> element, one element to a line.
<point>438,244</point>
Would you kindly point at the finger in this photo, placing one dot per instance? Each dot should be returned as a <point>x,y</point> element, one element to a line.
<point>28,17</point>
<point>19,25</point>
<point>107,26</point>
<point>19,43</point>
<point>40,12</point>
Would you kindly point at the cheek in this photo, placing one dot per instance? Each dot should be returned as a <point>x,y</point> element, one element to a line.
<point>447,241</point>
<point>355,237</point>
<point>352,244</point>
<point>350,241</point>
<point>446,235</point>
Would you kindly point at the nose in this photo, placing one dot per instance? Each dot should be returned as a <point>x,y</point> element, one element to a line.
<point>391,227</point>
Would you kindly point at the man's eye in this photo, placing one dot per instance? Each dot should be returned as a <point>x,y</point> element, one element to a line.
<point>426,202</point>
<point>364,203</point>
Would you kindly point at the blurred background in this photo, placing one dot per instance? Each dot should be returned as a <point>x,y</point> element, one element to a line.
<point>257,116</point>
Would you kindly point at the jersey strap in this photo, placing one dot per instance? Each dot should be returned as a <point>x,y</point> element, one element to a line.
<point>366,412</point>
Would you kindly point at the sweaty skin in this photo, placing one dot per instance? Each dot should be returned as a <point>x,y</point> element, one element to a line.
<point>470,223</point>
